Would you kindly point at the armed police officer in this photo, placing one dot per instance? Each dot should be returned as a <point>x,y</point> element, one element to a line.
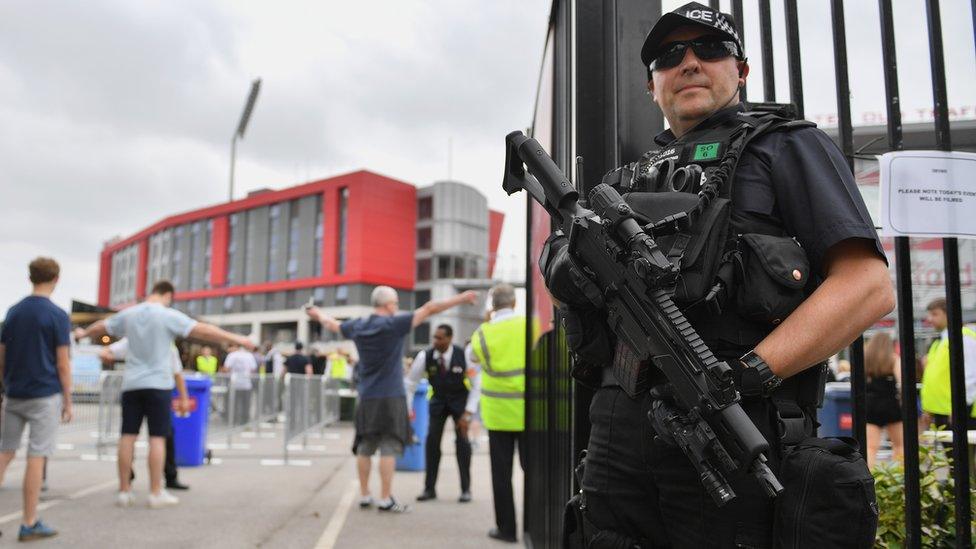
<point>780,267</point>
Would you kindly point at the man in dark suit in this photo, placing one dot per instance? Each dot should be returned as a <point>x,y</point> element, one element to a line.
<point>447,370</point>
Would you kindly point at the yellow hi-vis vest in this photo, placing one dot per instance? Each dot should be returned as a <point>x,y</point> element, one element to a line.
<point>936,393</point>
<point>500,348</point>
<point>338,363</point>
<point>207,365</point>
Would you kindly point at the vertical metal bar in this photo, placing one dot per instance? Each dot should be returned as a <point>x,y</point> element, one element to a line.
<point>766,36</point>
<point>285,406</point>
<point>740,28</point>
<point>793,55</point>
<point>906,303</point>
<point>846,134</point>
<point>950,256</point>
<point>858,390</point>
<point>230,410</point>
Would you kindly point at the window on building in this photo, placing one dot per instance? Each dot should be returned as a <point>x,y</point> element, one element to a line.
<point>194,265</point>
<point>177,259</point>
<point>342,295</point>
<point>424,238</point>
<point>232,249</point>
<point>318,296</point>
<point>459,270</point>
<point>274,241</point>
<point>423,269</point>
<point>343,233</point>
<point>208,253</point>
<point>444,267</point>
<point>319,234</point>
<point>229,304</point>
<point>421,334</point>
<point>421,297</point>
<point>293,239</point>
<point>425,207</point>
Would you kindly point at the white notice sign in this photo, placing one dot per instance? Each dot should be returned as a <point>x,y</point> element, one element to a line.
<point>928,193</point>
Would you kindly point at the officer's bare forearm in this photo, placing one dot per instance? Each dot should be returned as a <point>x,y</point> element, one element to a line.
<point>856,293</point>
<point>93,331</point>
<point>213,334</point>
<point>434,307</point>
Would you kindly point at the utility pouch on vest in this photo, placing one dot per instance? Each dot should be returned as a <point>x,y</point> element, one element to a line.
<point>772,273</point>
<point>694,243</point>
<point>828,500</point>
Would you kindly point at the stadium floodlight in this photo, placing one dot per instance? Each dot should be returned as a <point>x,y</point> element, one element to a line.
<point>239,132</point>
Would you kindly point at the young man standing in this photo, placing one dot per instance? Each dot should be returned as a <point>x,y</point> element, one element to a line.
<point>381,414</point>
<point>151,328</point>
<point>936,393</point>
<point>35,363</point>
<point>241,365</point>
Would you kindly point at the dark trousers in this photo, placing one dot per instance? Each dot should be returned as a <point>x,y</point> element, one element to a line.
<point>169,468</point>
<point>501,449</point>
<point>432,448</point>
<point>650,491</point>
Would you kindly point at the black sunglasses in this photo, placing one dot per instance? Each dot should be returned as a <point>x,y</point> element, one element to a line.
<point>706,50</point>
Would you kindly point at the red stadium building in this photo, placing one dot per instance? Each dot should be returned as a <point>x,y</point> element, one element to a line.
<point>249,265</point>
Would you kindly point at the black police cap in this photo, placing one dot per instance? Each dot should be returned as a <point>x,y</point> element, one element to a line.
<point>691,13</point>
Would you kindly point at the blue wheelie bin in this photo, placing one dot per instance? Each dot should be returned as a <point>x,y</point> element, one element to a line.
<point>413,454</point>
<point>835,417</point>
<point>190,431</point>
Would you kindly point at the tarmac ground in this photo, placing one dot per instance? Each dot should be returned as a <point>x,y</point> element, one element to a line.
<point>247,497</point>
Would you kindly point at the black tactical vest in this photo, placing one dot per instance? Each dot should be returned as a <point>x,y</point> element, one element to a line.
<point>450,383</point>
<point>709,242</point>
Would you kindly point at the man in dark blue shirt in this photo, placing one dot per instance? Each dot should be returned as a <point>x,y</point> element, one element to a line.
<point>381,414</point>
<point>35,363</point>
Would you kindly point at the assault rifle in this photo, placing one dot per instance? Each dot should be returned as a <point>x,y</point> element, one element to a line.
<point>632,277</point>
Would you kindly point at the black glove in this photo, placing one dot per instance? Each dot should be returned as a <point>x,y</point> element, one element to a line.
<point>584,319</point>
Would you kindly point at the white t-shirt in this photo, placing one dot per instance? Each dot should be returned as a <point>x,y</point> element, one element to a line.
<point>241,365</point>
<point>120,349</point>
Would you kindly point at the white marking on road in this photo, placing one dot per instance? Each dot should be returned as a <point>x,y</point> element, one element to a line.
<point>331,532</point>
<point>48,504</point>
<point>65,446</point>
<point>223,446</point>
<point>281,462</point>
<point>95,457</point>
<point>309,448</point>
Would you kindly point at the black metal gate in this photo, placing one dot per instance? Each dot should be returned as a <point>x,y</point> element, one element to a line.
<point>591,103</point>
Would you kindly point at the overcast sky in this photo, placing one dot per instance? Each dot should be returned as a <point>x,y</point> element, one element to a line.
<point>115,114</point>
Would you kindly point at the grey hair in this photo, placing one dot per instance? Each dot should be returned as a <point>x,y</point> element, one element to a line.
<point>382,295</point>
<point>503,297</point>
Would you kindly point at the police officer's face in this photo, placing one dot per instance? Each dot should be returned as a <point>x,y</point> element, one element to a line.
<point>693,90</point>
<point>937,318</point>
<point>441,340</point>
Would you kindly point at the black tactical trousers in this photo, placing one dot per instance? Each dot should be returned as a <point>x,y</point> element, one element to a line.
<point>439,412</point>
<point>649,491</point>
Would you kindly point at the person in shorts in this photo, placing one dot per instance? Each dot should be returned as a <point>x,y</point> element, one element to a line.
<point>117,352</point>
<point>147,381</point>
<point>35,362</point>
<point>382,421</point>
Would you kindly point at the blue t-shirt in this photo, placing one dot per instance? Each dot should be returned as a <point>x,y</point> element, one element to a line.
<point>32,332</point>
<point>151,329</point>
<point>379,340</point>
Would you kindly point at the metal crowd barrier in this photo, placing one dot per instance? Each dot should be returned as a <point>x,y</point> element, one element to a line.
<point>242,403</point>
<point>109,416</point>
<point>310,402</point>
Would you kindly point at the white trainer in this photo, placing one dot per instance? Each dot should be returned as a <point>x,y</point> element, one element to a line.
<point>125,499</point>
<point>164,499</point>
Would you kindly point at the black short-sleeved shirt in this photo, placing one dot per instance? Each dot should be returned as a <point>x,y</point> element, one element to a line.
<point>295,364</point>
<point>797,179</point>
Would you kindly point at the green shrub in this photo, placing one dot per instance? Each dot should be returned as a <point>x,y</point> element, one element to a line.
<point>938,517</point>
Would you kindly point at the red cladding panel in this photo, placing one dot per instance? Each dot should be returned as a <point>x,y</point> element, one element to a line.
<point>142,260</point>
<point>104,277</point>
<point>218,252</point>
<point>382,231</point>
<point>495,222</point>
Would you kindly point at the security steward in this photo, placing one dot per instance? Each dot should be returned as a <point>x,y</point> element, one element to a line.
<point>207,362</point>
<point>795,275</point>
<point>498,345</point>
<point>446,369</point>
<point>936,392</point>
